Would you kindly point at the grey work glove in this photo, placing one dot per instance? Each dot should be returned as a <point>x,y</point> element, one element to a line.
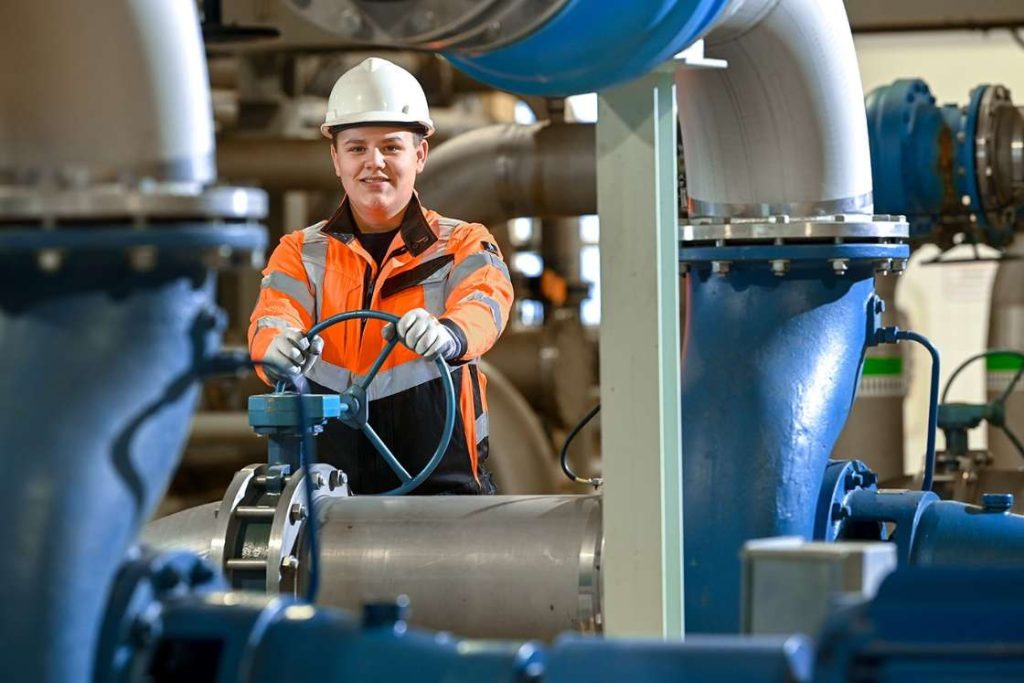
<point>292,353</point>
<point>424,334</point>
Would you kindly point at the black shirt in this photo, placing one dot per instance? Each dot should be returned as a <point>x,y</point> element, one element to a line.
<point>377,243</point>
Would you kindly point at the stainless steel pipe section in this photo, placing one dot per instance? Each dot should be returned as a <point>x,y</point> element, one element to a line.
<point>480,566</point>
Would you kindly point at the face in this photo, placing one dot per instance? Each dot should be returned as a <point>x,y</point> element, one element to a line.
<point>377,167</point>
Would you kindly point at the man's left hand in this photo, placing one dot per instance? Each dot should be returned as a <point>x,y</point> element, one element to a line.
<point>424,334</point>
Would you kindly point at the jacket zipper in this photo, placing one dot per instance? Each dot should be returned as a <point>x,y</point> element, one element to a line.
<point>370,283</point>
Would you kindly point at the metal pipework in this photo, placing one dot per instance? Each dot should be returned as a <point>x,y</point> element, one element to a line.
<point>494,566</point>
<point>106,300</point>
<point>544,169</point>
<point>945,165</point>
<point>781,129</point>
<point>153,120</point>
<point>298,164</point>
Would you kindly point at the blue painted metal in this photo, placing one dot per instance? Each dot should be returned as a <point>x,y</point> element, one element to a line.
<point>634,36</point>
<point>997,502</point>
<point>941,625</point>
<point>179,237</point>
<point>967,181</point>
<point>842,478</point>
<point>912,147</point>
<point>814,254</point>
<point>98,364</point>
<point>955,534</point>
<point>769,376</point>
<point>268,411</point>
<point>902,508</point>
<point>277,416</point>
<point>698,658</point>
<point>133,621</point>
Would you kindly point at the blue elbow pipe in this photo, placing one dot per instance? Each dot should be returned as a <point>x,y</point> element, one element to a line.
<point>590,45</point>
<point>97,366</point>
<point>768,380</point>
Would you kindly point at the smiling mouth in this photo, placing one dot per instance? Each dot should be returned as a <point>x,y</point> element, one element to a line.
<point>373,181</point>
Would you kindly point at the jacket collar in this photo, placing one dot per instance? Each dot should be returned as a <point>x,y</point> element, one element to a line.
<point>416,231</point>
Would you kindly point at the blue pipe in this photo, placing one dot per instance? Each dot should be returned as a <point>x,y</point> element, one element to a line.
<point>769,376</point>
<point>954,534</point>
<point>98,366</point>
<point>634,36</point>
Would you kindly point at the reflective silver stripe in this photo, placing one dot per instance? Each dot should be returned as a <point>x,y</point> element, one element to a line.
<point>401,378</point>
<point>495,308</point>
<point>329,375</point>
<point>482,425</point>
<point>435,292</point>
<point>314,260</point>
<point>473,263</point>
<point>275,323</point>
<point>296,289</point>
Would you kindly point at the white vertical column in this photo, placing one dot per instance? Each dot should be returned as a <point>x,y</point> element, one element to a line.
<point>640,367</point>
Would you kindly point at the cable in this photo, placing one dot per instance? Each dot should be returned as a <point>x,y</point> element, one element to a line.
<point>933,405</point>
<point>985,354</point>
<point>596,481</point>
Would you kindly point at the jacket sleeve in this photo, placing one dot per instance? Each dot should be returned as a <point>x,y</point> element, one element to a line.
<point>478,295</point>
<point>285,300</point>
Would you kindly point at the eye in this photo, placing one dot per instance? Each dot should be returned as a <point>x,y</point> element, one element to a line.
<point>393,148</point>
<point>356,149</point>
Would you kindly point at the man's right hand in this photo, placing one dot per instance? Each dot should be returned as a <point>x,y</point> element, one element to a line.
<point>290,352</point>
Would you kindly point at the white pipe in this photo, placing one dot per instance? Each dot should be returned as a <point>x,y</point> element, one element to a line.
<point>104,90</point>
<point>782,129</point>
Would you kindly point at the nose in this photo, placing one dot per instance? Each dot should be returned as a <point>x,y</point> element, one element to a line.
<point>376,159</point>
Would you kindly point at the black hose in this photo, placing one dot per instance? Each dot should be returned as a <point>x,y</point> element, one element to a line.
<point>596,481</point>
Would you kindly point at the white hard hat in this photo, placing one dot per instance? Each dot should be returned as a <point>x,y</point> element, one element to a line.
<point>377,91</point>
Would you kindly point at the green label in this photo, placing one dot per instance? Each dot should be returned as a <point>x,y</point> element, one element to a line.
<point>1003,361</point>
<point>874,366</point>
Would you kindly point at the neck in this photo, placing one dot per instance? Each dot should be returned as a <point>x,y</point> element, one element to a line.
<point>378,223</point>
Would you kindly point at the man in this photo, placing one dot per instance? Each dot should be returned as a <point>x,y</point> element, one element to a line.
<point>382,250</point>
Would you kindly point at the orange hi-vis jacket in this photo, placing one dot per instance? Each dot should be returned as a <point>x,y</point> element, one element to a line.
<point>452,269</point>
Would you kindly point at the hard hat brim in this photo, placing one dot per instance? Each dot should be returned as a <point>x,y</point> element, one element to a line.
<point>376,118</point>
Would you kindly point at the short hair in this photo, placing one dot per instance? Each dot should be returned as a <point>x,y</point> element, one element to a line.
<point>418,132</point>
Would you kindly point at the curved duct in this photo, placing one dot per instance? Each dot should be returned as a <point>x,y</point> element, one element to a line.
<point>509,170</point>
<point>152,119</point>
<point>781,130</point>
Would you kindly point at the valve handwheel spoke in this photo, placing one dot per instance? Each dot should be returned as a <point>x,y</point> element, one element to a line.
<point>355,404</point>
<point>379,362</point>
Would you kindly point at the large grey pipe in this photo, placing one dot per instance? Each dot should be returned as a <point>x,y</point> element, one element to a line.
<point>104,91</point>
<point>506,171</point>
<point>481,566</point>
